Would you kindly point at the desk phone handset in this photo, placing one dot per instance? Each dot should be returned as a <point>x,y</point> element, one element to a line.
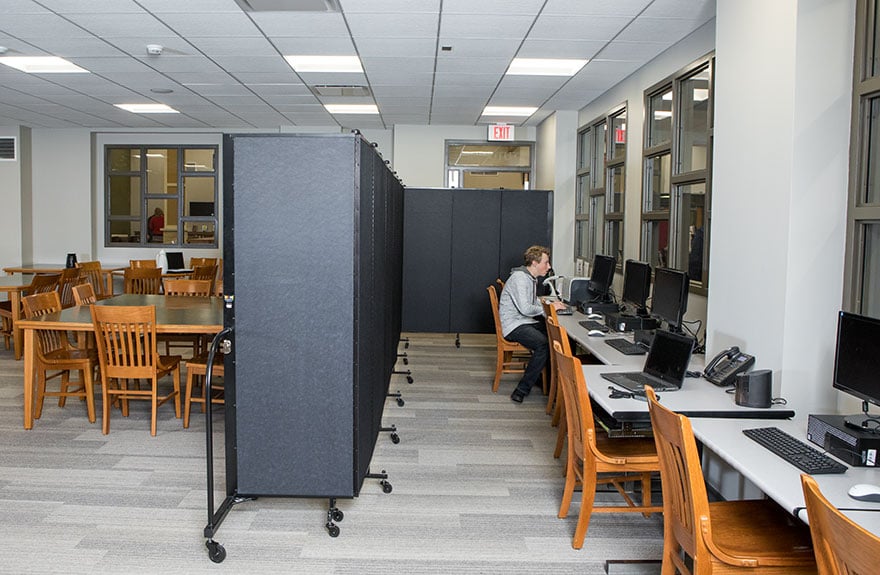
<point>723,368</point>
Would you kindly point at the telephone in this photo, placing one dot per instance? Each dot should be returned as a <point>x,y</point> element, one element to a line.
<point>723,368</point>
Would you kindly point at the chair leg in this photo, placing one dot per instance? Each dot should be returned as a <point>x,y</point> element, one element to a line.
<point>551,396</point>
<point>560,438</point>
<point>65,382</point>
<point>105,407</point>
<point>176,375</point>
<point>499,366</point>
<point>187,400</point>
<point>154,407</point>
<point>588,497</point>
<point>85,376</point>
<point>41,393</point>
<point>568,490</point>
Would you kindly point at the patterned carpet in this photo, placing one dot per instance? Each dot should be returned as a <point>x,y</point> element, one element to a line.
<point>475,490</point>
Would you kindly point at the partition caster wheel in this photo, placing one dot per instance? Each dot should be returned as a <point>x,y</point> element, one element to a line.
<point>333,530</point>
<point>338,515</point>
<point>400,402</point>
<point>395,439</point>
<point>216,552</point>
<point>409,379</point>
<point>405,361</point>
<point>386,487</point>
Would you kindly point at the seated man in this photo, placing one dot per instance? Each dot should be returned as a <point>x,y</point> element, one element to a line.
<point>522,316</point>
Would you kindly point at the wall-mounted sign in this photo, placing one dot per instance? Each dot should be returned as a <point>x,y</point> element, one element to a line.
<point>500,132</point>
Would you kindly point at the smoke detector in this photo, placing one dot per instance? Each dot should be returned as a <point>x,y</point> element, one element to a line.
<point>154,49</point>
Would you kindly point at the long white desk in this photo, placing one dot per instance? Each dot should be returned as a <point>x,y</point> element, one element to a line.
<point>777,478</point>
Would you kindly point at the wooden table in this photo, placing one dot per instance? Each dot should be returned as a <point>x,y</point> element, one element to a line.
<point>13,286</point>
<point>57,269</point>
<point>173,315</point>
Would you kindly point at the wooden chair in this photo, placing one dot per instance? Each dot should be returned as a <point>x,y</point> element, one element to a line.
<point>137,264</point>
<point>197,367</point>
<point>550,315</point>
<point>842,546</point>
<point>186,288</point>
<point>591,452</point>
<point>755,536</point>
<point>143,280</point>
<point>54,353</point>
<point>84,294</point>
<point>196,262</point>
<point>40,284</point>
<point>505,362</point>
<point>92,272</point>
<point>126,338</point>
<point>205,272</point>
<point>69,278</point>
<point>556,333</point>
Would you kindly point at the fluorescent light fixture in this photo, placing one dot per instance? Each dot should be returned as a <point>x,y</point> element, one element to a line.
<point>545,66</point>
<point>478,152</point>
<point>509,110</point>
<point>325,63</point>
<point>667,96</point>
<point>662,114</point>
<point>147,108</point>
<point>352,108</point>
<point>42,65</point>
<point>701,94</point>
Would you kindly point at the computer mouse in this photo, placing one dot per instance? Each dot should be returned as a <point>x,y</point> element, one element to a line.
<point>596,333</point>
<point>865,492</point>
<point>594,316</point>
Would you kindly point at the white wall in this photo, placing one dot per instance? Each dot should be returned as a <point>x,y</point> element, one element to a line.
<point>780,188</point>
<point>10,197</point>
<point>556,164</point>
<point>419,151</point>
<point>62,200</point>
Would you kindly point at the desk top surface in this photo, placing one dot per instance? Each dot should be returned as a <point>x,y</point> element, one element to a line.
<point>174,314</point>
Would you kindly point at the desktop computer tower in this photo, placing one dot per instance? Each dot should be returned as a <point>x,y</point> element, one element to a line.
<point>619,321</point>
<point>857,448</point>
<point>575,290</point>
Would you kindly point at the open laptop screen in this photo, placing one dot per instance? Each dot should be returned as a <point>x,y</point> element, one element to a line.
<point>669,356</point>
<point>175,260</point>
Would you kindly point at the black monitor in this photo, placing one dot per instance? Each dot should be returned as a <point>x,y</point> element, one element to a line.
<point>201,209</point>
<point>636,285</point>
<point>857,364</point>
<point>669,301</point>
<point>601,276</point>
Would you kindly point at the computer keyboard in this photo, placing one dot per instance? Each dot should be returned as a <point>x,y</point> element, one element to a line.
<point>627,347</point>
<point>794,451</point>
<point>593,324</point>
<point>567,310</point>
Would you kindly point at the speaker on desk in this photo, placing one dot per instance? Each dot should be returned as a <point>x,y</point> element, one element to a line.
<point>754,388</point>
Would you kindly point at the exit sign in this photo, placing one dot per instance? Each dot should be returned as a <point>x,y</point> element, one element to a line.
<point>500,132</point>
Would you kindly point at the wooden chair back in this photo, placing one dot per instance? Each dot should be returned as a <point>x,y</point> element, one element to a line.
<point>185,287</point>
<point>143,280</point>
<point>505,349</point>
<point>684,492</point>
<point>38,305</point>
<point>205,272</point>
<point>84,294</point>
<point>69,278</point>
<point>43,283</point>
<point>842,547</point>
<point>126,338</point>
<point>136,264</point>
<point>196,262</point>
<point>92,272</point>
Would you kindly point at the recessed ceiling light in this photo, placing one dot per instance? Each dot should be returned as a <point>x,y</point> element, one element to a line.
<point>509,110</point>
<point>545,66</point>
<point>147,108</point>
<point>352,108</point>
<point>161,90</point>
<point>42,65</point>
<point>325,63</point>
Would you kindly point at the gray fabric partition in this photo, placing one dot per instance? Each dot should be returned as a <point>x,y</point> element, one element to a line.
<point>311,349</point>
<point>457,242</point>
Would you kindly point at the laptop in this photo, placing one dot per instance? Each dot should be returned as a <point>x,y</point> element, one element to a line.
<point>175,263</point>
<point>665,366</point>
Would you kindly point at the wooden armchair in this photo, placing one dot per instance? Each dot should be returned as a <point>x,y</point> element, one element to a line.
<point>143,280</point>
<point>505,360</point>
<point>126,338</point>
<point>54,353</point>
<point>92,271</point>
<point>591,452</point>
<point>40,284</point>
<point>755,536</point>
<point>841,545</point>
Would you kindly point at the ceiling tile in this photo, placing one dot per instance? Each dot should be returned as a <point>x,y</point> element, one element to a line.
<point>121,25</point>
<point>389,47</point>
<point>373,6</point>
<point>211,24</point>
<point>577,27</point>
<point>301,24</point>
<point>469,7</point>
<point>408,25</point>
<point>541,48</point>
<point>658,29</point>
<point>504,26</point>
<point>629,8</point>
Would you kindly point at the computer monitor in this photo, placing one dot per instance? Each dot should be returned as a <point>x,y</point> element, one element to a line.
<point>669,301</point>
<point>601,276</point>
<point>857,364</point>
<point>636,285</point>
<point>201,209</point>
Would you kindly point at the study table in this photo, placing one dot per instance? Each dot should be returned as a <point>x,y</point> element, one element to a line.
<point>106,271</point>
<point>13,286</point>
<point>174,314</point>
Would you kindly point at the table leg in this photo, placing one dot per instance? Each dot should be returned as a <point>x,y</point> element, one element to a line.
<point>15,302</point>
<point>29,351</point>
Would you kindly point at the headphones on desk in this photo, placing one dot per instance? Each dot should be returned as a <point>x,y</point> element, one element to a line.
<point>623,394</point>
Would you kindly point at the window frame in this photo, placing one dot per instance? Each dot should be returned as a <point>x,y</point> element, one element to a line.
<point>676,256</point>
<point>145,196</point>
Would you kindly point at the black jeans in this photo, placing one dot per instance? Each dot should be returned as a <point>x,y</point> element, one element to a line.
<point>534,337</point>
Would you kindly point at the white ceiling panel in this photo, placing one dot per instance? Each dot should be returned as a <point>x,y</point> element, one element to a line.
<point>214,52</point>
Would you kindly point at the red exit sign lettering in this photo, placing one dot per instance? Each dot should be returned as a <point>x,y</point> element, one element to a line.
<point>500,132</point>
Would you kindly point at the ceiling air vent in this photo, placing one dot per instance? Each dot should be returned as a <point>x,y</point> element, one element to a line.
<point>7,149</point>
<point>289,5</point>
<point>341,91</point>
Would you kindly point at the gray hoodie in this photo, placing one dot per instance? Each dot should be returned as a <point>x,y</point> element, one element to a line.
<point>519,303</point>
